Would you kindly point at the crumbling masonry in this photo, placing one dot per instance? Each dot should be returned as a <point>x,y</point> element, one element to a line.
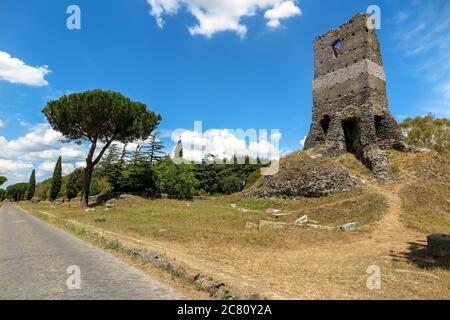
<point>350,110</point>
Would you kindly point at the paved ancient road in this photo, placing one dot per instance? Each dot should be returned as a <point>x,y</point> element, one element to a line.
<point>34,258</point>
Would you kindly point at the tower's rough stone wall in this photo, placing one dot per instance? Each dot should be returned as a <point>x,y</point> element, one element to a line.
<point>350,104</point>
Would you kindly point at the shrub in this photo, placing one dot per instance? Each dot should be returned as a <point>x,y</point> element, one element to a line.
<point>104,187</point>
<point>231,185</point>
<point>395,167</point>
<point>253,178</point>
<point>178,181</point>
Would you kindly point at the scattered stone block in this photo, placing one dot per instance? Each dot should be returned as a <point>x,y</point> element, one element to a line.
<point>318,226</point>
<point>272,225</point>
<point>78,199</point>
<point>350,226</point>
<point>302,220</point>
<point>164,196</point>
<point>94,200</point>
<point>419,150</point>
<point>439,245</point>
<point>208,284</point>
<point>233,206</point>
<point>153,254</point>
<point>251,226</point>
<point>90,210</point>
<point>273,211</point>
<point>110,203</point>
<point>35,200</point>
<point>58,202</point>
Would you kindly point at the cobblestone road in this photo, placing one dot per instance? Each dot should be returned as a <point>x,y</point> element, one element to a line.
<point>34,258</point>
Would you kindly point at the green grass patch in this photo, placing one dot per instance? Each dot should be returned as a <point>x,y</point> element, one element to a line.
<point>349,161</point>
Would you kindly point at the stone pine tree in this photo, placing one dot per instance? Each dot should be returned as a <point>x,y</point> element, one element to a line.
<point>31,189</point>
<point>55,186</point>
<point>3,180</point>
<point>99,118</point>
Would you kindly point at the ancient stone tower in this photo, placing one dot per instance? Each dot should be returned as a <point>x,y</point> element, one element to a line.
<point>350,111</point>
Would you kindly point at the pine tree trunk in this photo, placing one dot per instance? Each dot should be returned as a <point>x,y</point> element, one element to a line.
<point>86,184</point>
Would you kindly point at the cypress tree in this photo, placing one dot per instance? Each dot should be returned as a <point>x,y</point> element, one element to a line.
<point>55,187</point>
<point>72,190</point>
<point>31,186</point>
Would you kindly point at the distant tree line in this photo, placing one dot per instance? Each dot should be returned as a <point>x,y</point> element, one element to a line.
<point>147,171</point>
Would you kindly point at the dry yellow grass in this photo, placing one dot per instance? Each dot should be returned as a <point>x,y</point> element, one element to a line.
<point>426,196</point>
<point>215,221</point>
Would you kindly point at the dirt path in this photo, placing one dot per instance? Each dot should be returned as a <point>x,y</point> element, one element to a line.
<point>390,230</point>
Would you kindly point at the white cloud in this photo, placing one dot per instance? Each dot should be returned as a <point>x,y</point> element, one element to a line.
<point>15,170</point>
<point>39,148</point>
<point>302,141</point>
<point>40,138</point>
<point>7,166</point>
<point>70,152</point>
<point>160,7</point>
<point>226,144</point>
<point>80,164</point>
<point>16,71</point>
<point>24,124</point>
<point>47,167</point>
<point>2,124</point>
<point>41,143</point>
<point>284,10</point>
<point>215,16</point>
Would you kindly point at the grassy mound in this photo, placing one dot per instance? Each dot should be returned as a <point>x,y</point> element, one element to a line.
<point>426,198</point>
<point>305,174</point>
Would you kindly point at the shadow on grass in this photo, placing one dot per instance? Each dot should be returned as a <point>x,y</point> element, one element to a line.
<point>417,255</point>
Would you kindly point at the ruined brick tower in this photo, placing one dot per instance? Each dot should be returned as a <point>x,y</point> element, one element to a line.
<point>350,111</point>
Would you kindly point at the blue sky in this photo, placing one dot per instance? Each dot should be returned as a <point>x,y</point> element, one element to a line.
<point>231,64</point>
